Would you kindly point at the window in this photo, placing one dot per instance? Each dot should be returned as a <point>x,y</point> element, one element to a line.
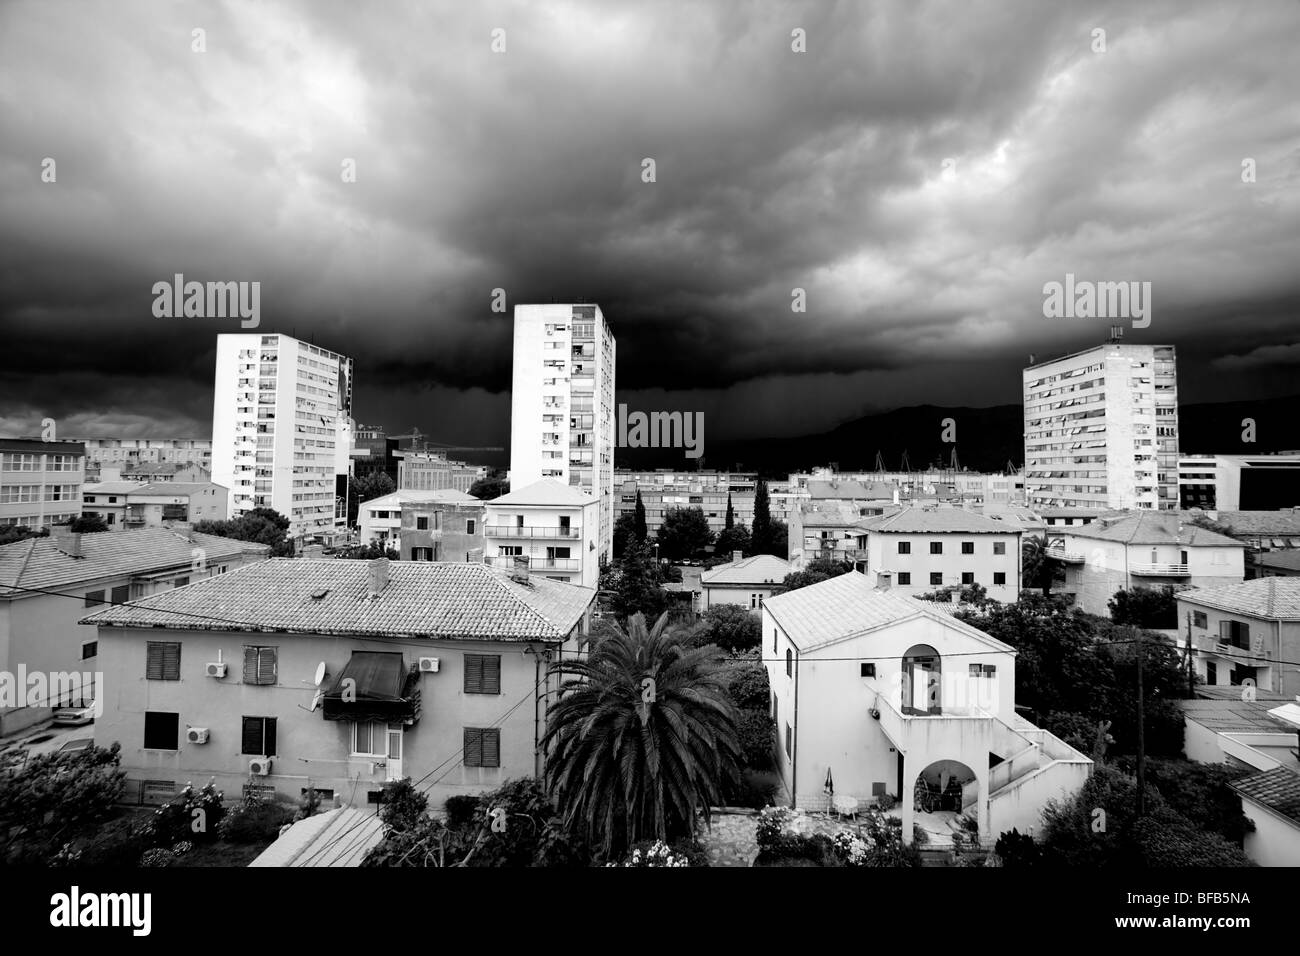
<point>1200,620</point>
<point>89,649</point>
<point>161,731</point>
<point>936,547</point>
<point>422,554</point>
<point>469,526</point>
<point>904,577</point>
<point>789,663</point>
<point>121,594</point>
<point>968,547</point>
<point>260,665</point>
<point>999,577</point>
<point>258,736</point>
<point>904,547</point>
<point>370,738</point>
<point>421,523</point>
<point>94,597</point>
<point>162,661</point>
<point>482,673</point>
<point>1236,633</point>
<point>482,747</point>
<point>999,547</point>
<point>755,601</point>
<point>789,742</point>
<point>868,670</point>
<point>983,670</point>
<point>936,577</point>
<point>181,582</point>
<point>968,577</point>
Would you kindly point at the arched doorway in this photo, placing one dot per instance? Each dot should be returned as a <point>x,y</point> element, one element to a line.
<point>943,793</point>
<point>922,680</point>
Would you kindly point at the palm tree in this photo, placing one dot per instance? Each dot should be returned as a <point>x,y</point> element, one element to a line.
<point>1039,568</point>
<point>642,738</point>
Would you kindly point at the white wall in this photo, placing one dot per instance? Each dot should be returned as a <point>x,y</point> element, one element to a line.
<point>1275,842</point>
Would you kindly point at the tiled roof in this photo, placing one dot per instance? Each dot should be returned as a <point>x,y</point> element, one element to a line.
<point>937,520</point>
<point>848,604</point>
<point>1287,560</point>
<point>422,599</point>
<point>1153,527</point>
<point>1234,716</point>
<point>1278,789</point>
<point>760,569</point>
<point>38,562</point>
<point>1275,598</point>
<point>548,491</point>
<point>1262,522</point>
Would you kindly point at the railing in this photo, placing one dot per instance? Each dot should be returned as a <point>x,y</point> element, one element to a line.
<point>1161,570</point>
<point>1069,557</point>
<point>531,531</point>
<point>536,564</point>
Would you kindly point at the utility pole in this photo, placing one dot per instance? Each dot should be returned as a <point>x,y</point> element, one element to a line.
<point>1191,671</point>
<point>1142,751</point>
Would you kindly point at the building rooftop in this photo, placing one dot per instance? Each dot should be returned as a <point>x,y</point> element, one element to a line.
<point>1153,527</point>
<point>176,487</point>
<point>113,487</point>
<point>339,837</point>
<point>828,513</point>
<point>548,491</point>
<point>851,489</point>
<point>937,520</point>
<point>1278,789</point>
<point>848,605</point>
<point>412,496</point>
<point>332,596</point>
<point>1285,522</point>
<point>1274,598</point>
<point>39,562</point>
<point>1234,715</point>
<point>1282,560</point>
<point>760,569</point>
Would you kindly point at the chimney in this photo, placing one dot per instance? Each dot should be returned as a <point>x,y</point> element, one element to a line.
<point>884,579</point>
<point>377,574</point>
<point>956,596</point>
<point>895,494</point>
<point>520,570</point>
<point>182,528</point>
<point>66,540</point>
<point>737,555</point>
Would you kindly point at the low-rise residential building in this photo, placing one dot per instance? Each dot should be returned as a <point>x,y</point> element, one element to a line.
<point>885,694</point>
<point>1274,564</point>
<point>434,471</point>
<point>126,454</point>
<point>40,482</point>
<point>1245,632</point>
<point>710,491</point>
<point>449,529</point>
<point>1271,801</point>
<point>380,519</point>
<point>747,582</point>
<point>930,548</point>
<point>46,584</point>
<point>552,527</point>
<point>1263,531</point>
<point>827,529</point>
<point>338,676</point>
<point>127,505</point>
<point>1123,550</point>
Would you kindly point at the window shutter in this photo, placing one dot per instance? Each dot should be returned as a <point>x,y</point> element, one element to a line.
<point>171,658</point>
<point>250,665</point>
<point>491,748</point>
<point>153,668</point>
<point>121,594</point>
<point>252,734</point>
<point>473,674</point>
<point>491,675</point>
<point>473,747</point>
<point>269,742</point>
<point>266,665</point>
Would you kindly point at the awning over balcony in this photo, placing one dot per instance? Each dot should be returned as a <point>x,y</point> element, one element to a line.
<point>375,685</point>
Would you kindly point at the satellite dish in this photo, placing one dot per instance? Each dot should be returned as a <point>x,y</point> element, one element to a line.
<point>320,673</point>
<point>315,701</point>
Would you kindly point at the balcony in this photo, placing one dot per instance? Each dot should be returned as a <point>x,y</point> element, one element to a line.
<point>1160,570</point>
<point>1067,557</point>
<point>531,531</point>
<point>536,564</point>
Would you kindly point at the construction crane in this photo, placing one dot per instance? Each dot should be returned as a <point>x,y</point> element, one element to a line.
<point>415,435</point>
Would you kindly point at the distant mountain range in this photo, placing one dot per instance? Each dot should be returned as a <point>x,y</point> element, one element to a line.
<point>987,439</point>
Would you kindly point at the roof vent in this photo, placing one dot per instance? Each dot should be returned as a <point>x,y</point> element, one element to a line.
<point>377,575</point>
<point>519,570</point>
<point>884,580</point>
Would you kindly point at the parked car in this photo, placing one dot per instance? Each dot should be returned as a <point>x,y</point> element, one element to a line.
<point>80,743</point>
<point>74,716</point>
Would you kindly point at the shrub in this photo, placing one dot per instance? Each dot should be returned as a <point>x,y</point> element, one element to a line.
<point>756,731</point>
<point>193,815</point>
<point>258,822</point>
<point>1166,838</point>
<point>655,853</point>
<point>157,857</point>
<point>461,810</point>
<point>755,789</point>
<point>403,805</point>
<point>749,688</point>
<point>732,627</point>
<point>1201,792</point>
<point>1016,849</point>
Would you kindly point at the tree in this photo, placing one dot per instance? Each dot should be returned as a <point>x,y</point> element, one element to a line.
<point>731,627</point>
<point>374,485</point>
<point>642,738</point>
<point>729,541</point>
<point>624,531</point>
<point>684,533</point>
<point>761,530</point>
<point>817,570</point>
<point>642,532</point>
<point>54,798</point>
<point>261,526</point>
<point>91,523</point>
<point>635,581</point>
<point>778,541</point>
<point>731,515</point>
<point>19,532</point>
<point>1154,608</point>
<point>493,486</point>
<point>366,552</point>
<point>1040,569</point>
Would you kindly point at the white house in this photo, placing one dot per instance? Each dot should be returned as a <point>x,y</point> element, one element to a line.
<point>886,694</point>
<point>554,526</point>
<point>1120,551</point>
<point>1271,800</point>
<point>1248,631</point>
<point>747,582</point>
<point>380,519</point>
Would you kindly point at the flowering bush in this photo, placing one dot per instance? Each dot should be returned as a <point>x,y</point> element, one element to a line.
<point>180,849</point>
<point>193,815</point>
<point>157,857</point>
<point>854,849</point>
<point>657,853</point>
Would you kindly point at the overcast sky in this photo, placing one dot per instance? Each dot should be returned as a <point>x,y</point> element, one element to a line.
<point>823,170</point>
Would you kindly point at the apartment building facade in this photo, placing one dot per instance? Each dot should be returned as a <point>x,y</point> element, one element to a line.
<point>130,453</point>
<point>434,471</point>
<point>1101,429</point>
<point>383,520</point>
<point>442,530</point>
<point>281,428</point>
<point>40,482</point>
<point>126,505</point>
<point>562,418</point>
<point>710,491</point>
<point>1239,482</point>
<point>549,527</point>
<point>337,675</point>
<point>1247,632</point>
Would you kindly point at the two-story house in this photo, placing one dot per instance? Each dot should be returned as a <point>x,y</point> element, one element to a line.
<point>337,675</point>
<point>555,527</point>
<point>127,506</point>
<point>1144,548</point>
<point>380,519</point>
<point>747,582</point>
<point>1246,632</point>
<point>929,548</point>
<point>884,694</point>
<point>46,584</point>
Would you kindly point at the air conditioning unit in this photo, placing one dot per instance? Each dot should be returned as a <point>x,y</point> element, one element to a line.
<point>196,735</point>
<point>428,665</point>
<point>259,766</point>
<point>215,669</point>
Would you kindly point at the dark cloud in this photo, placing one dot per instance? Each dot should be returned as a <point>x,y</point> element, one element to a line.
<point>823,171</point>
